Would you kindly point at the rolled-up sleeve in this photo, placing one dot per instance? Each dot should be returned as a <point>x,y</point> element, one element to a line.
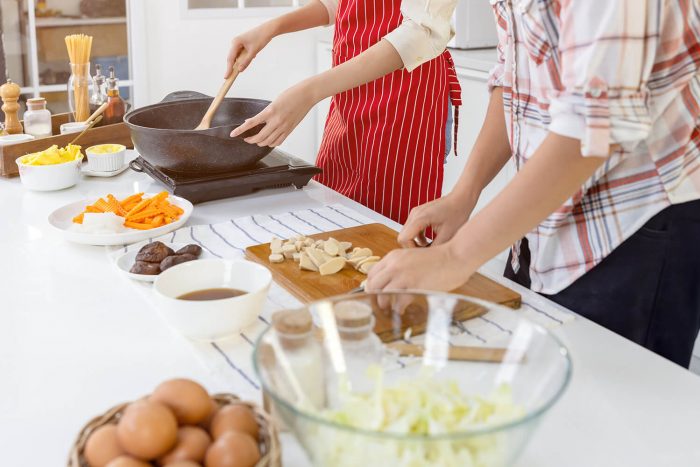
<point>607,53</point>
<point>332,7</point>
<point>425,31</point>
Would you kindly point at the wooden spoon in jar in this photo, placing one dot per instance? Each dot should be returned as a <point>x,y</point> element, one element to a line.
<point>205,124</point>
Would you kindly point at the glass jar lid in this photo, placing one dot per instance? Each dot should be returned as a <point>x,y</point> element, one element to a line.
<point>36,103</point>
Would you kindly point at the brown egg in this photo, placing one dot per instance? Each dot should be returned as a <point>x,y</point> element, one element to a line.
<point>147,430</point>
<point>183,464</point>
<point>233,449</point>
<point>102,446</point>
<point>206,423</point>
<point>126,461</point>
<point>188,400</point>
<point>234,418</point>
<point>192,445</point>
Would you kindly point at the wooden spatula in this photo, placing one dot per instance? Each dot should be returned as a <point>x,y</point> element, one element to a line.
<point>205,124</point>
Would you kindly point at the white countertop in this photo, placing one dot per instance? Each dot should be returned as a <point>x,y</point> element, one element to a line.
<point>75,340</point>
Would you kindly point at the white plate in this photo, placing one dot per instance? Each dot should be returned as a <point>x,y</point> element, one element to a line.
<point>62,220</point>
<point>129,156</point>
<point>125,261</point>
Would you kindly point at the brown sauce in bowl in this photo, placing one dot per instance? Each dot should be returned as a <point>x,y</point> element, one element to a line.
<point>211,294</point>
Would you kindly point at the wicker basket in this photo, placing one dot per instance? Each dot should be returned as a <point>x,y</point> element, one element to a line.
<point>269,441</point>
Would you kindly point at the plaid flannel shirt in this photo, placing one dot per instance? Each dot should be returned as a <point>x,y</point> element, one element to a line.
<point>623,77</point>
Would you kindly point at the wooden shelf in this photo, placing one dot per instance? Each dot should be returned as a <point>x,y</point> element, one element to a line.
<point>66,22</point>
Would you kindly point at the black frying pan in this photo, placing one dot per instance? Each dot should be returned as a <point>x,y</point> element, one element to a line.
<point>163,134</point>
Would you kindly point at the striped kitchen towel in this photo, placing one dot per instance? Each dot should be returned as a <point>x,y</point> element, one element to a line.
<point>230,359</point>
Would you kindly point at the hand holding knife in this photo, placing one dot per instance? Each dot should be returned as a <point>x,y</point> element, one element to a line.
<point>420,240</point>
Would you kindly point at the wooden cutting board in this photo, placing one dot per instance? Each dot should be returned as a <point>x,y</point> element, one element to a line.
<point>309,286</point>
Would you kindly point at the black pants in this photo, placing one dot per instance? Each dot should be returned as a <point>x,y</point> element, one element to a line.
<point>647,289</point>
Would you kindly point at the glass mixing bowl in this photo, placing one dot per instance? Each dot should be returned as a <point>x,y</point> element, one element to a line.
<point>350,405</point>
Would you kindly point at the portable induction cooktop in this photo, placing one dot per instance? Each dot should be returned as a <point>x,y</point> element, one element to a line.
<point>277,169</point>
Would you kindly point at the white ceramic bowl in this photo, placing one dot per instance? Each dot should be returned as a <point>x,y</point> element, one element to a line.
<point>49,177</point>
<point>105,162</point>
<point>72,127</point>
<point>14,139</point>
<point>212,319</point>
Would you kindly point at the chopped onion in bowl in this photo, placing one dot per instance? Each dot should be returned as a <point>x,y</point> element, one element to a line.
<point>424,406</point>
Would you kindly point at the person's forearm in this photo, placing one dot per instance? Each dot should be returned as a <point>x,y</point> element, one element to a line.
<point>555,172</point>
<point>490,153</point>
<point>309,16</point>
<point>375,62</point>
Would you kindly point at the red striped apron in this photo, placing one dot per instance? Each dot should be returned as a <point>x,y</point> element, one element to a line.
<point>384,142</point>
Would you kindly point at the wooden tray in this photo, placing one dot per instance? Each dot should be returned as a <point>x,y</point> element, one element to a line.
<point>309,286</point>
<point>117,134</point>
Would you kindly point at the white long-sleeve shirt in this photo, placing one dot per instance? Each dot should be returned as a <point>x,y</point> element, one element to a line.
<point>424,33</point>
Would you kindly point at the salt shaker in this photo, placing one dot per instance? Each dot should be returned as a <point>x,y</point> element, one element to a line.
<point>300,359</point>
<point>37,118</point>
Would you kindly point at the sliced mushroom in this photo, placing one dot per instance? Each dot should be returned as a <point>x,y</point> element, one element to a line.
<point>309,241</point>
<point>317,256</point>
<point>299,245</point>
<point>361,252</point>
<point>345,246</point>
<point>366,266</point>
<point>296,257</point>
<point>276,258</point>
<point>289,250</point>
<point>355,262</point>
<point>305,262</point>
<point>276,246</point>
<point>331,247</point>
<point>369,259</point>
<point>331,267</point>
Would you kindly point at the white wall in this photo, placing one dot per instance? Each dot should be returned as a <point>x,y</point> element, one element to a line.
<point>190,54</point>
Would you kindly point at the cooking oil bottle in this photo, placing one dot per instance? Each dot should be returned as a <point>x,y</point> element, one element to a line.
<point>116,107</point>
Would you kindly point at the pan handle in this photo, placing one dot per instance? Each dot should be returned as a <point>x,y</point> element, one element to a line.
<point>184,95</point>
<point>136,166</point>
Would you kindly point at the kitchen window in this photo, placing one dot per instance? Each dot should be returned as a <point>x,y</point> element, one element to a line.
<point>234,8</point>
<point>34,53</point>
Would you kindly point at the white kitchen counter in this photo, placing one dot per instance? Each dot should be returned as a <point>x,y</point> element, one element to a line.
<point>75,339</point>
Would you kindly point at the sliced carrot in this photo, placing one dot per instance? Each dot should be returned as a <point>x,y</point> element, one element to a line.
<point>131,199</point>
<point>150,212</point>
<point>140,206</point>
<point>138,225</point>
<point>79,218</point>
<point>158,220</point>
<point>114,204</point>
<point>160,196</point>
<point>92,209</point>
<point>103,205</point>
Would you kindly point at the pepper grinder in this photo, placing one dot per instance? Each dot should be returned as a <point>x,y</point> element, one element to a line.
<point>9,92</point>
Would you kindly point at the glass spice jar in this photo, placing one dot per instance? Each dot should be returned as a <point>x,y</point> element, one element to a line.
<point>37,118</point>
<point>362,348</point>
<point>300,360</point>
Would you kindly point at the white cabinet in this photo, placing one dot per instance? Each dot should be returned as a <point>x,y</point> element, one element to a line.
<point>475,98</point>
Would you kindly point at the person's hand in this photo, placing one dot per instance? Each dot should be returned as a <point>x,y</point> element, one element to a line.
<point>436,268</point>
<point>444,215</point>
<point>280,117</point>
<point>246,46</point>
